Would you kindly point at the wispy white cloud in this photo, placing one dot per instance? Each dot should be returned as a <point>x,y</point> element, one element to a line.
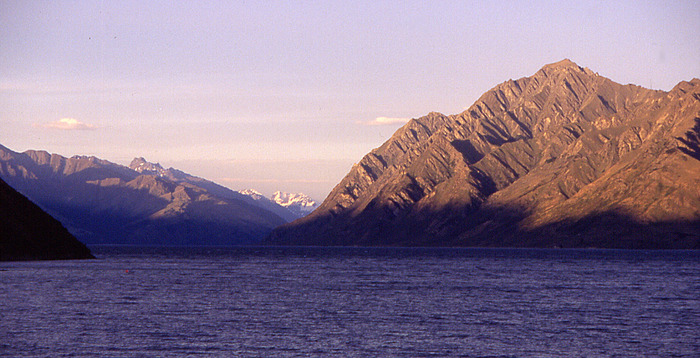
<point>67,124</point>
<point>385,121</point>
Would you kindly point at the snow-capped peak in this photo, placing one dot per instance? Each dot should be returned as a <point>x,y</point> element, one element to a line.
<point>295,201</point>
<point>144,167</point>
<point>256,195</point>
<point>299,204</point>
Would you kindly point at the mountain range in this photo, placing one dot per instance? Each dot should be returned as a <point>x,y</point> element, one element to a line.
<point>299,203</point>
<point>101,202</point>
<point>563,158</point>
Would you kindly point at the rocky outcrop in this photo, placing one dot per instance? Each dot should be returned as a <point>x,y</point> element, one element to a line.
<point>105,203</point>
<point>548,160</point>
<point>29,233</point>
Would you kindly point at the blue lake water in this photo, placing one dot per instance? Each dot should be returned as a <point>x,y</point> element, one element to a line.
<point>353,302</point>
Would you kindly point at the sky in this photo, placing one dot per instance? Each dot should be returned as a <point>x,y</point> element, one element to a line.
<point>288,95</point>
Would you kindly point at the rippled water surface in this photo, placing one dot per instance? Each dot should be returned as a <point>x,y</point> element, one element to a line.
<point>277,302</point>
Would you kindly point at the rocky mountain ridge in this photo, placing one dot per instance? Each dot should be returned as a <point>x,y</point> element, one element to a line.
<point>106,203</point>
<point>550,160</point>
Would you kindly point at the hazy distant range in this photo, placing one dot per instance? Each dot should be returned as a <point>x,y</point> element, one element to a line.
<point>101,202</point>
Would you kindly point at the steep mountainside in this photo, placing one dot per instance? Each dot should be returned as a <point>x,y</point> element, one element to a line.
<point>28,233</point>
<point>564,158</point>
<point>106,203</point>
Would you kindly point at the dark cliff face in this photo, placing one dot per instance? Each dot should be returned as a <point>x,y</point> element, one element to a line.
<point>562,158</point>
<point>28,233</point>
<point>106,203</point>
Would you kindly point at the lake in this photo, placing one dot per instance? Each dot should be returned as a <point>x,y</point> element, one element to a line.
<point>353,302</point>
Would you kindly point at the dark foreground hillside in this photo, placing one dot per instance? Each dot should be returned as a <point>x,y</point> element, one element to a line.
<point>28,233</point>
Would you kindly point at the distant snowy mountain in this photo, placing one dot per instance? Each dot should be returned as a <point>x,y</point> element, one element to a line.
<point>254,194</point>
<point>299,203</point>
<point>260,200</point>
<point>143,167</point>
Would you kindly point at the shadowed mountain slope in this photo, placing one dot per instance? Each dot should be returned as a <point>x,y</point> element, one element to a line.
<point>105,203</point>
<point>564,157</point>
<point>143,167</point>
<point>28,233</point>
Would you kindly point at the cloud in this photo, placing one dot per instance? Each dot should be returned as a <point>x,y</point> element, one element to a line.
<point>67,124</point>
<point>385,121</point>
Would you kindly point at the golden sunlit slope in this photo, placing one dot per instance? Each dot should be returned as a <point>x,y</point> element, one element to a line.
<point>561,158</point>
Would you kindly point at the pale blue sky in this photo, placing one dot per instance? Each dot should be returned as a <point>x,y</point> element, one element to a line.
<point>277,95</point>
